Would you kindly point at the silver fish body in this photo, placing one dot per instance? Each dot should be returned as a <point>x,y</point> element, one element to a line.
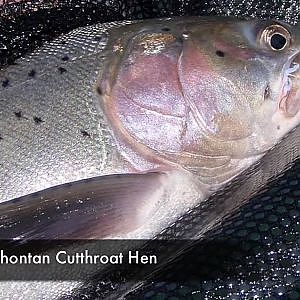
<point>51,114</point>
<point>194,100</point>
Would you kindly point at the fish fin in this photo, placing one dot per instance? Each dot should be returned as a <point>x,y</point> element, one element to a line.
<point>98,207</point>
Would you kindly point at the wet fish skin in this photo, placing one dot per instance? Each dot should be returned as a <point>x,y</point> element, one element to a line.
<point>30,133</point>
<point>217,92</point>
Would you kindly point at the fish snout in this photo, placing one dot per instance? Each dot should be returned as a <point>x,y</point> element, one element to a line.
<point>289,103</point>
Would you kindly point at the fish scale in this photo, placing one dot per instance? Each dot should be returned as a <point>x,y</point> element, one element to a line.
<point>59,117</point>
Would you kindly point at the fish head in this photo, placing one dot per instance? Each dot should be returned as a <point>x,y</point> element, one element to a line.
<point>241,79</point>
<point>194,91</point>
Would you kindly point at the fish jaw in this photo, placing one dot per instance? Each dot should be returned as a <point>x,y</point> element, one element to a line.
<point>287,114</point>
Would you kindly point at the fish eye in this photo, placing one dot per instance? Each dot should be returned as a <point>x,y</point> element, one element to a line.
<point>276,37</point>
<point>278,41</point>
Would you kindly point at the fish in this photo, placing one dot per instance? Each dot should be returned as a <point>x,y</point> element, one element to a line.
<point>41,112</point>
<point>182,107</point>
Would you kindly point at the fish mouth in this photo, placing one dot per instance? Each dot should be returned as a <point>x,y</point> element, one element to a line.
<point>289,102</point>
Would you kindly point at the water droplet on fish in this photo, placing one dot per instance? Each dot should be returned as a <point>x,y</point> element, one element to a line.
<point>185,35</point>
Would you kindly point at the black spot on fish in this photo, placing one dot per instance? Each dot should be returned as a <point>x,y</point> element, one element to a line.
<point>63,42</point>
<point>18,114</point>
<point>65,58</point>
<point>267,92</point>
<point>62,70</point>
<point>98,38</point>
<point>5,83</point>
<point>278,127</point>
<point>1,138</point>
<point>38,120</point>
<point>32,73</point>
<point>99,90</point>
<point>85,133</point>
<point>220,53</point>
<point>165,29</point>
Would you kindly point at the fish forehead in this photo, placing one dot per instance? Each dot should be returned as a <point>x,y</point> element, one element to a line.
<point>205,25</point>
<point>237,37</point>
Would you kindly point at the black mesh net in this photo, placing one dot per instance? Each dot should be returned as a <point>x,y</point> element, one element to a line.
<point>253,255</point>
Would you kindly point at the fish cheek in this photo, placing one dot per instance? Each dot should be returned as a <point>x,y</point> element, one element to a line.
<point>146,103</point>
<point>230,128</point>
<point>218,105</point>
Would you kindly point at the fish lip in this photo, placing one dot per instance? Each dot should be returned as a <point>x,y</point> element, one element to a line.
<point>289,102</point>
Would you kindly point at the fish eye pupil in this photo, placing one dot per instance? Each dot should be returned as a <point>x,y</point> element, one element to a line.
<point>278,41</point>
